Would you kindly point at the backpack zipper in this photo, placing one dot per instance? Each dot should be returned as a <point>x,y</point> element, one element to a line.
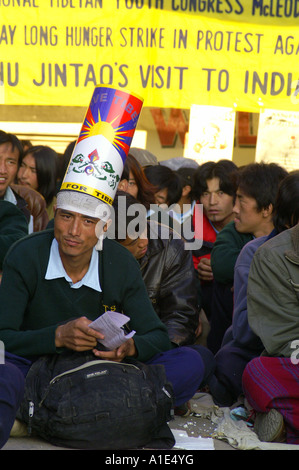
<point>83,366</point>
<point>30,413</point>
<point>89,364</point>
<point>166,392</point>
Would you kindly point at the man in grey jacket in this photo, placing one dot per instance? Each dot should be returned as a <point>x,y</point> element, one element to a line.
<point>273,293</point>
<point>271,381</point>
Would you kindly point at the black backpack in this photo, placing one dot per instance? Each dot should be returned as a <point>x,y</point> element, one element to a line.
<point>75,400</point>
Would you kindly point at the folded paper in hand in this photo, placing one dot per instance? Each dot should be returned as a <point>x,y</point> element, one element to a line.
<point>110,324</point>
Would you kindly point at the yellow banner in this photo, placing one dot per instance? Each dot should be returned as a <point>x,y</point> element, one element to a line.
<point>174,53</point>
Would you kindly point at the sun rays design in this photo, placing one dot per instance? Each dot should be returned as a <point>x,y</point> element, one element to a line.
<point>119,135</point>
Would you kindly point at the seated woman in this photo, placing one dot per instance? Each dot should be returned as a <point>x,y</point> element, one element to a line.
<point>38,170</point>
<point>134,182</point>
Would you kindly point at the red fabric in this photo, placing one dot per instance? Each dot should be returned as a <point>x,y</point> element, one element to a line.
<point>273,382</point>
<point>207,233</point>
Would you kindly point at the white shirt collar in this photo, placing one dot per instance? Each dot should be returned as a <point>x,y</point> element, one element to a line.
<point>9,196</point>
<point>56,270</point>
<point>181,217</point>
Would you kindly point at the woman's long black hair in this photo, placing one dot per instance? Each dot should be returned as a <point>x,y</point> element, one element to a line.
<point>46,163</point>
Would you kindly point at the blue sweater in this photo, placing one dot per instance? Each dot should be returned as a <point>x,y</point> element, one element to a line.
<point>240,332</point>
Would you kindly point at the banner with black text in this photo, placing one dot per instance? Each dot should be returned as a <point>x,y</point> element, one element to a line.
<point>173,53</point>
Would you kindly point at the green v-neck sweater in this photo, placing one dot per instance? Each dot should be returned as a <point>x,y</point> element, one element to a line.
<point>32,307</point>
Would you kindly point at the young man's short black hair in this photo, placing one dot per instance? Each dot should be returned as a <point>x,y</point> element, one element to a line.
<point>13,140</point>
<point>163,177</point>
<point>286,207</point>
<point>223,169</point>
<point>186,176</point>
<point>260,181</point>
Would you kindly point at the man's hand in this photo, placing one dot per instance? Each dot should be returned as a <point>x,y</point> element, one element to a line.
<point>126,349</point>
<point>204,270</point>
<point>77,335</point>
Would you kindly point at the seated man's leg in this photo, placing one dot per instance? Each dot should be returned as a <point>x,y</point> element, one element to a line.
<point>20,362</point>
<point>205,293</point>
<point>209,362</point>
<point>222,307</point>
<point>269,383</point>
<point>11,393</point>
<point>231,361</point>
<point>185,370</point>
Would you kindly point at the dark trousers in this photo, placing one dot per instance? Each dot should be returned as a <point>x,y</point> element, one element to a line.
<point>231,361</point>
<point>11,393</point>
<point>187,368</point>
<point>12,382</point>
<point>222,306</point>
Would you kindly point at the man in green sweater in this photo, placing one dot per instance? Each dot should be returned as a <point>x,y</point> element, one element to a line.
<point>49,293</point>
<point>13,226</point>
<point>55,283</point>
<point>257,185</point>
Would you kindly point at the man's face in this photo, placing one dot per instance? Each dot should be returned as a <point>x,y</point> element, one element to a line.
<point>75,234</point>
<point>137,247</point>
<point>9,159</point>
<point>217,205</point>
<point>247,218</point>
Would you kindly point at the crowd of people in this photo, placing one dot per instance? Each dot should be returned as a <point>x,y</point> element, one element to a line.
<point>214,241</point>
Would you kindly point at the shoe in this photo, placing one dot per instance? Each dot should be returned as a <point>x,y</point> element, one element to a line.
<point>183,410</point>
<point>270,426</point>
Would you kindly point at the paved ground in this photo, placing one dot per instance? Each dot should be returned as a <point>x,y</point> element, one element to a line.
<point>194,427</point>
<point>204,428</point>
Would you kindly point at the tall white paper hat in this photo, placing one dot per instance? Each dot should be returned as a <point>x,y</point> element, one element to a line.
<point>97,161</point>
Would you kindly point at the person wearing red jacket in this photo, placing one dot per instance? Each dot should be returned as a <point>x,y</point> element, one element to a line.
<point>215,190</point>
